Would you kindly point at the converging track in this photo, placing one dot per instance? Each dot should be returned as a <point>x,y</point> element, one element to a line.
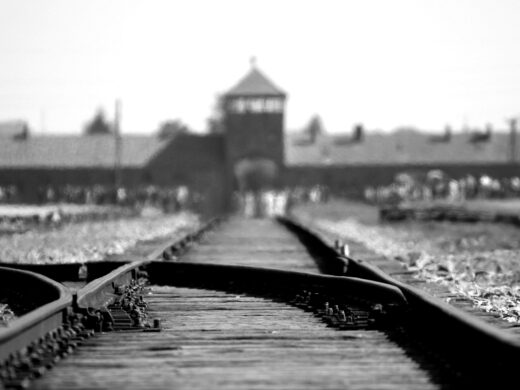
<point>253,242</point>
<point>213,339</point>
<point>226,323</point>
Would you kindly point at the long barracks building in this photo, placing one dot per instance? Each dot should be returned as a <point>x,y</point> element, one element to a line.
<point>253,151</point>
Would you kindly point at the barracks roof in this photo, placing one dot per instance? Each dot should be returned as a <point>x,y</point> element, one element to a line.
<point>74,151</point>
<point>404,147</point>
<point>255,83</point>
<point>407,147</point>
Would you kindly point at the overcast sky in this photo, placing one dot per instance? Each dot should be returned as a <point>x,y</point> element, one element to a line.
<point>382,63</point>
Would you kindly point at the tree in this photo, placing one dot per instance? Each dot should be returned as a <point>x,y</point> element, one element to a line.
<point>215,125</point>
<point>171,128</point>
<point>98,125</point>
<point>314,128</point>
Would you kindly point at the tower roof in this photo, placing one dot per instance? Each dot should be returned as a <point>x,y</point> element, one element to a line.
<point>255,83</point>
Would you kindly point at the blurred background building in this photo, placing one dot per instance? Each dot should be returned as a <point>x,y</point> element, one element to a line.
<point>247,149</point>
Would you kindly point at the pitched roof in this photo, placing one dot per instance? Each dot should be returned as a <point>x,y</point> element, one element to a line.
<point>72,151</point>
<point>397,148</point>
<point>255,83</point>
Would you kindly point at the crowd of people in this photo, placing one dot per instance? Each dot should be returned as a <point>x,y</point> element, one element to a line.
<point>436,185</point>
<point>167,198</point>
<point>439,186</point>
<point>269,202</point>
<point>274,202</point>
<point>9,194</point>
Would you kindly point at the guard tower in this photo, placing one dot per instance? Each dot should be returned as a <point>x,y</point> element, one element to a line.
<point>253,120</point>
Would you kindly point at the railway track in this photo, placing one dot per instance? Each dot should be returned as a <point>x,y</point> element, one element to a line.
<point>212,318</point>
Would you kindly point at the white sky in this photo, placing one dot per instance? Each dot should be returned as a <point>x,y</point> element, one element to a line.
<point>383,63</point>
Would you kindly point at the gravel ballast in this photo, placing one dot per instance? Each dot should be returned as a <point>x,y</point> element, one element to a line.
<point>478,261</point>
<point>91,241</point>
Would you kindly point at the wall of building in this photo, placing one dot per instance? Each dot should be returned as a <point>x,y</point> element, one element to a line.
<point>202,163</point>
<point>254,135</point>
<point>196,161</point>
<point>29,180</point>
<point>351,180</point>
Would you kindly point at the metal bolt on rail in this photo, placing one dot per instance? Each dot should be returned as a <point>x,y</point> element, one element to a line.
<point>128,311</point>
<point>168,254</point>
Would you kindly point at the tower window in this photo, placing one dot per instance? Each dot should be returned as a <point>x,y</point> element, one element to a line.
<point>273,105</point>
<point>256,105</point>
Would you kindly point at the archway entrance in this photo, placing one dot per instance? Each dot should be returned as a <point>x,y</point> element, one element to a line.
<point>255,177</point>
<point>255,174</point>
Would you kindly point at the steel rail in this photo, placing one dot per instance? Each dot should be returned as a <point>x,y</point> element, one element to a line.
<point>176,246</point>
<point>271,280</point>
<point>481,348</point>
<point>100,291</point>
<point>38,322</point>
<point>489,354</point>
<point>29,327</point>
<point>371,272</point>
<point>69,271</point>
<point>364,270</point>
